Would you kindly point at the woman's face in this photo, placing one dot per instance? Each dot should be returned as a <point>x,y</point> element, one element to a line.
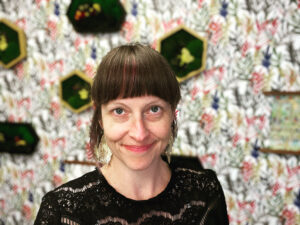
<point>137,130</point>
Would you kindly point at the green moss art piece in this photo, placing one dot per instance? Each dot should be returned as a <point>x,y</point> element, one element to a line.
<point>76,91</point>
<point>185,51</point>
<point>93,16</point>
<point>12,44</point>
<point>9,44</point>
<point>17,138</point>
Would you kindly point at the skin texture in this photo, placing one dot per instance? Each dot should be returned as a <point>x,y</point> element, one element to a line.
<point>137,130</point>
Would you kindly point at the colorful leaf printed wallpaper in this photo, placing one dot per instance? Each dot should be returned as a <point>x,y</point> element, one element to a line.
<point>224,118</point>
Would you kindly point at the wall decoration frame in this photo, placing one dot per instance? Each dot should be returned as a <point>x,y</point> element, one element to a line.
<point>75,91</point>
<point>94,16</point>
<point>18,138</point>
<point>12,44</point>
<point>284,136</point>
<point>185,51</point>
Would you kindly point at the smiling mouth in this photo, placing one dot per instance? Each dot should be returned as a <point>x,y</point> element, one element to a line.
<point>138,148</point>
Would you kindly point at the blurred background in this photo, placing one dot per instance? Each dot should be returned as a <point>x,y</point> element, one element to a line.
<point>225,117</point>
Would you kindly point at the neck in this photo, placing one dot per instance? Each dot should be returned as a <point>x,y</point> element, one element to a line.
<point>138,184</point>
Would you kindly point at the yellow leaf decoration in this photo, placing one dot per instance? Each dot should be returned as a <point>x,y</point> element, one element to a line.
<point>83,94</point>
<point>186,57</point>
<point>97,7</point>
<point>2,139</point>
<point>3,43</point>
<point>21,143</point>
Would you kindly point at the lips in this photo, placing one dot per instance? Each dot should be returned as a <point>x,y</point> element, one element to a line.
<point>138,148</point>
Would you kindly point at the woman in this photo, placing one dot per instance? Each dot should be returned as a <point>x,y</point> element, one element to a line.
<point>135,93</point>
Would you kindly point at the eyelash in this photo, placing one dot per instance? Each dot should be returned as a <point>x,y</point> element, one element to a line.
<point>116,109</point>
<point>155,106</point>
<point>117,112</point>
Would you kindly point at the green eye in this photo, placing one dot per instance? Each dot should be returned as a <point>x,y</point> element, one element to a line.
<point>155,109</point>
<point>119,111</point>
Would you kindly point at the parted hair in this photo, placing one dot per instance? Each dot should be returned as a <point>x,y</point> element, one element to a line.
<point>131,70</point>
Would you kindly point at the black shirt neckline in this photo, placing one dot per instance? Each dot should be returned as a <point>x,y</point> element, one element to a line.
<point>154,198</point>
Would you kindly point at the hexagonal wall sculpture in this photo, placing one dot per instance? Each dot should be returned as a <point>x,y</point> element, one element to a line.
<point>17,138</point>
<point>93,16</point>
<point>75,91</point>
<point>185,51</point>
<point>12,44</point>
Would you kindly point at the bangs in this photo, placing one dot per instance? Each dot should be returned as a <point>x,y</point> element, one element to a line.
<point>130,71</point>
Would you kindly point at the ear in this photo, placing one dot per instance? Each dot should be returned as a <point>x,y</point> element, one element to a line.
<point>175,112</point>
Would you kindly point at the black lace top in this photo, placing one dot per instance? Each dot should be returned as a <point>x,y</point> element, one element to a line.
<point>191,197</point>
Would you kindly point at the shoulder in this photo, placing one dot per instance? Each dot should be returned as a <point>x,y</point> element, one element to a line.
<point>199,174</point>
<point>68,199</point>
<point>204,180</point>
<point>79,186</point>
<point>83,183</point>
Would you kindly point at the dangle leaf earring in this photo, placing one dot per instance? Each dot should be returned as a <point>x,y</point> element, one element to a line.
<point>169,149</point>
<point>103,153</point>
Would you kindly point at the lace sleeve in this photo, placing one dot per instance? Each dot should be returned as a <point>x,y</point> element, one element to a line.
<point>49,211</point>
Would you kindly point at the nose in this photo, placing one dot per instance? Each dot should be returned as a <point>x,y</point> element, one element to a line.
<point>138,130</point>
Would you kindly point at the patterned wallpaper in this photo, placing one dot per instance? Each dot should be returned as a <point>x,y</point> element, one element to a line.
<point>253,46</point>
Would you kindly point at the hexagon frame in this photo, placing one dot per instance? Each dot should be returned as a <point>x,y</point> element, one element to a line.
<point>18,138</point>
<point>108,12</point>
<point>22,43</point>
<point>82,76</point>
<point>193,33</point>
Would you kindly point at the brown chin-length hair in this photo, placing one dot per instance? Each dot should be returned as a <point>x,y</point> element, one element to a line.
<point>132,70</point>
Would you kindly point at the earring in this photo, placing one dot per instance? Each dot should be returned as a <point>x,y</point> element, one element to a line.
<point>169,149</point>
<point>103,153</point>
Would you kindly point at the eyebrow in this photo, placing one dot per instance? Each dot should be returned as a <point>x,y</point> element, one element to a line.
<point>119,102</point>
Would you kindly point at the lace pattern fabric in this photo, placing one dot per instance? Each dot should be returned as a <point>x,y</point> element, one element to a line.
<point>191,197</point>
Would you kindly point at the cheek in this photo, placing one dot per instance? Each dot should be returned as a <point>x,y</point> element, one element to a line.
<point>113,131</point>
<point>161,131</point>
